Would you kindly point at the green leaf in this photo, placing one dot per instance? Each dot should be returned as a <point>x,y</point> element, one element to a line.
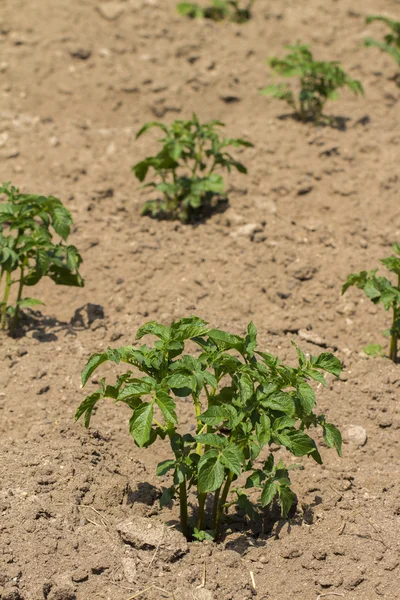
<point>167,406</point>
<point>86,407</point>
<point>25,302</point>
<point>269,492</point>
<point>327,362</point>
<point>299,444</point>
<point>245,504</point>
<point>374,350</point>
<point>285,499</point>
<point>211,475</point>
<point>180,381</point>
<point>61,220</point>
<point>246,388</point>
<point>188,328</point>
<point>280,401</point>
<point>140,423</point>
<point>136,387</point>
<point>42,261</point>
<point>93,363</point>
<point>332,437</point>
<point>215,415</point>
<point>165,466</point>
<point>154,328</point>
<point>211,439</point>
<point>232,458</point>
<point>226,341</point>
<point>306,397</point>
<point>167,495</point>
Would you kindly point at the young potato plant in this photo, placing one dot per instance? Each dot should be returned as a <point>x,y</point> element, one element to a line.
<point>382,291</point>
<point>244,401</point>
<point>27,250</point>
<point>318,83</point>
<point>185,168</point>
<point>391,41</point>
<point>234,10</point>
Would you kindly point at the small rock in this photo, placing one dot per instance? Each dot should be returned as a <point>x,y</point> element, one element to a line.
<point>357,435</point>
<point>354,582</point>
<point>303,273</point>
<point>290,553</point>
<point>11,594</point>
<point>54,141</point>
<point>111,11</point>
<point>248,230</point>
<point>143,534</point>
<point>230,98</point>
<point>129,568</point>
<point>203,594</point>
<point>62,593</point>
<point>313,338</point>
<point>263,203</point>
<point>80,53</point>
<point>80,575</point>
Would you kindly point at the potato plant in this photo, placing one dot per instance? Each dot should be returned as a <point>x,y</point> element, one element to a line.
<point>234,10</point>
<point>319,82</point>
<point>185,169</point>
<point>381,290</point>
<point>244,401</point>
<point>391,41</point>
<point>27,249</point>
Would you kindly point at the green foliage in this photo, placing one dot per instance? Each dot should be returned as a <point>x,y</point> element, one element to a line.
<point>318,82</point>
<point>391,41</point>
<point>234,10</point>
<point>244,401</point>
<point>381,290</point>
<point>185,168</point>
<point>27,248</point>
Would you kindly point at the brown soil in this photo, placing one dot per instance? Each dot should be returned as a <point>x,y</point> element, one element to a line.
<point>319,203</point>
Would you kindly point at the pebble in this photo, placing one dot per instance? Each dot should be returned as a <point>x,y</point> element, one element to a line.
<point>357,435</point>
<point>248,230</point>
<point>111,11</point>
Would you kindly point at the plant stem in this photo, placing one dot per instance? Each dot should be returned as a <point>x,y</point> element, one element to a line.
<point>20,288</point>
<point>215,508</point>
<point>202,502</point>
<point>5,300</point>
<point>395,335</point>
<point>222,504</point>
<point>183,508</point>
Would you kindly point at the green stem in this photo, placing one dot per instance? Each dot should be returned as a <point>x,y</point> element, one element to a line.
<point>202,504</point>
<point>215,508</point>
<point>5,300</point>
<point>221,504</point>
<point>395,335</point>
<point>183,508</point>
<point>20,288</point>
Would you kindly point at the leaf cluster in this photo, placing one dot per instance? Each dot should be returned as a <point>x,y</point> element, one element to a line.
<point>380,290</point>
<point>318,82</point>
<point>185,168</point>
<point>244,401</point>
<point>391,41</point>
<point>233,10</point>
<point>27,222</point>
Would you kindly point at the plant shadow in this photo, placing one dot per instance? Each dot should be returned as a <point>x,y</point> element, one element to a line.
<point>200,216</point>
<point>45,328</point>
<point>334,122</point>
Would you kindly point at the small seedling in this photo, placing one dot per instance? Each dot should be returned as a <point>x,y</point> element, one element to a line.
<point>382,291</point>
<point>319,82</point>
<point>234,10</point>
<point>244,401</point>
<point>27,248</point>
<point>185,168</point>
<point>391,41</point>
